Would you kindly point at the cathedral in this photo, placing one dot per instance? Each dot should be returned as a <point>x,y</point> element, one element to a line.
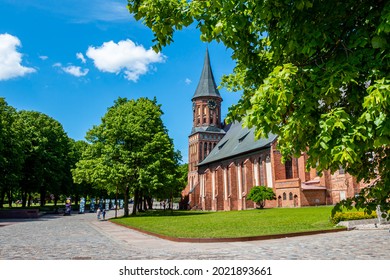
<point>225,162</point>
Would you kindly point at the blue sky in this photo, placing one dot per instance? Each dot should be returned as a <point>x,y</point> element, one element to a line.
<point>70,59</point>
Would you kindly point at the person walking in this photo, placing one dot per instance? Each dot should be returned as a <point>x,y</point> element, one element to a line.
<point>98,213</point>
<point>104,214</point>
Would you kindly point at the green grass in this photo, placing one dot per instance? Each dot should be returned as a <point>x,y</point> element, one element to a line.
<point>196,224</point>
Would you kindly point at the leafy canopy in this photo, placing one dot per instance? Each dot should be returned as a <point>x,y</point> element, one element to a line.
<point>259,194</point>
<point>11,153</point>
<point>46,148</point>
<point>314,72</point>
<point>130,150</point>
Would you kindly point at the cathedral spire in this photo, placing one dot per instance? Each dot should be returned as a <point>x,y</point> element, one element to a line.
<point>206,86</point>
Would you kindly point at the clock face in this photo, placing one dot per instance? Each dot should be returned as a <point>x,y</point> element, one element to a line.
<point>212,104</point>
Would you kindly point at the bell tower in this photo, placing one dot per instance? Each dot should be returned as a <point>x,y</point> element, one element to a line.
<point>206,127</point>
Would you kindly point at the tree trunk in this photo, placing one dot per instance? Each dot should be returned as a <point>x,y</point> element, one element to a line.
<point>9,195</point>
<point>150,202</point>
<point>24,199</point>
<point>2,194</point>
<point>116,203</point>
<point>145,206</point>
<point>42,197</point>
<point>126,204</point>
<point>262,204</point>
<point>140,202</point>
<point>136,199</point>
<point>29,200</point>
<point>171,203</point>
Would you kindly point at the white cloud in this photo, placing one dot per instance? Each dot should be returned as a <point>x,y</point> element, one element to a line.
<point>125,56</point>
<point>188,81</point>
<point>75,71</point>
<point>81,57</point>
<point>10,58</point>
<point>43,57</point>
<point>72,70</point>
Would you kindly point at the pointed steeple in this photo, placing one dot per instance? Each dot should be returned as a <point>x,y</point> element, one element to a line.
<point>206,85</point>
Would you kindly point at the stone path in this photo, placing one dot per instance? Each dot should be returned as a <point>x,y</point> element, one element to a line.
<point>84,237</point>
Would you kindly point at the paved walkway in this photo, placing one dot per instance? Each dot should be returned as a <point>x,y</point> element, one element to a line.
<point>84,237</point>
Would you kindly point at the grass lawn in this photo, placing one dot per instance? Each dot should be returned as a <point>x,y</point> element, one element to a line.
<point>198,224</point>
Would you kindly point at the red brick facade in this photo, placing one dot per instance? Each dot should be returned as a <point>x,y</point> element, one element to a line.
<point>223,184</point>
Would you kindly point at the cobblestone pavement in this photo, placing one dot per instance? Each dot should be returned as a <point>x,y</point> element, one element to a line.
<point>84,237</point>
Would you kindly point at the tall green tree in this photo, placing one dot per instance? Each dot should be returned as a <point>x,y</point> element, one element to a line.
<point>46,148</point>
<point>11,153</point>
<point>172,175</point>
<point>129,150</point>
<point>314,72</point>
<point>82,189</point>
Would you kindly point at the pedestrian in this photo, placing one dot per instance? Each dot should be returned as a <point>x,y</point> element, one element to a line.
<point>98,213</point>
<point>104,214</point>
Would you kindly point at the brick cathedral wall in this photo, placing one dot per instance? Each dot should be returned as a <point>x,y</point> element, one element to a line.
<point>233,188</point>
<point>313,197</point>
<point>208,191</point>
<point>219,188</point>
<point>271,204</point>
<point>279,169</point>
<point>291,200</point>
<point>250,182</point>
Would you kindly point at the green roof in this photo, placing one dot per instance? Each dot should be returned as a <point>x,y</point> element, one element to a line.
<point>206,86</point>
<point>238,140</point>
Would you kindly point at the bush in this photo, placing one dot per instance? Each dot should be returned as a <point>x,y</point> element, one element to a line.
<point>347,216</point>
<point>259,194</point>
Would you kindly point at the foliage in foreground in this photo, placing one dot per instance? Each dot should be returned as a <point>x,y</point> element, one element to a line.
<point>316,73</point>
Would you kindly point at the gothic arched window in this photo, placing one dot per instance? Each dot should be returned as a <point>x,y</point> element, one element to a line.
<point>261,171</point>
<point>289,171</point>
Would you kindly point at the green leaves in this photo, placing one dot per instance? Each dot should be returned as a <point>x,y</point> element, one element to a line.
<point>259,194</point>
<point>314,72</point>
<point>379,42</point>
<point>11,150</point>
<point>130,150</point>
<point>46,146</point>
<point>274,97</point>
<point>376,112</point>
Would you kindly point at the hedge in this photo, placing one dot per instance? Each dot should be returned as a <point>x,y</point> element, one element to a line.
<point>347,216</point>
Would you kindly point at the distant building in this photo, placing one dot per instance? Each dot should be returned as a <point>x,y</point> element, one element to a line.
<point>225,162</point>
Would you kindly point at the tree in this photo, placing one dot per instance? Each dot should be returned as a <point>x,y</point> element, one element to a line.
<point>259,194</point>
<point>75,154</point>
<point>11,153</point>
<point>130,150</point>
<point>174,176</point>
<point>314,72</point>
<point>46,147</point>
